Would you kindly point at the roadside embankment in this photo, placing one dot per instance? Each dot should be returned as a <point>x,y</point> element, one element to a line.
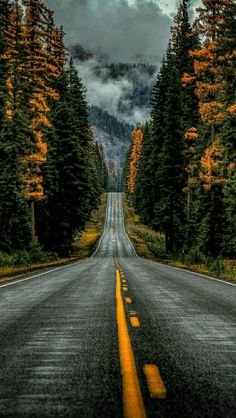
<point>150,244</point>
<point>35,258</point>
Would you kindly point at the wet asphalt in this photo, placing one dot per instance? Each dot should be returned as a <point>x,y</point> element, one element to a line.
<point>59,354</point>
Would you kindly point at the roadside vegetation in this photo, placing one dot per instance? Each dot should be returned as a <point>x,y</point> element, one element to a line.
<point>150,244</point>
<point>180,171</point>
<point>34,258</point>
<point>86,242</point>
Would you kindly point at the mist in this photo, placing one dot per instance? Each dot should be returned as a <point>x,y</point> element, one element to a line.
<point>120,31</point>
<point>113,95</point>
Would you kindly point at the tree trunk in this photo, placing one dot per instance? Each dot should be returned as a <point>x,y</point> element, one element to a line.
<point>188,215</point>
<point>33,233</point>
<point>213,132</point>
<point>171,225</point>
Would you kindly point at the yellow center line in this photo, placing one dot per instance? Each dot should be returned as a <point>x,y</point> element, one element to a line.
<point>116,262</point>
<point>132,397</point>
<point>155,383</point>
<point>134,321</point>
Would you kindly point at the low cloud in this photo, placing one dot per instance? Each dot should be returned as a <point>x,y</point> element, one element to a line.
<point>115,95</point>
<point>127,31</point>
<point>124,32</point>
<point>102,91</point>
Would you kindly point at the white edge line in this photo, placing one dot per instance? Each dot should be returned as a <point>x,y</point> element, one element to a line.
<point>62,267</point>
<point>41,274</point>
<point>172,267</point>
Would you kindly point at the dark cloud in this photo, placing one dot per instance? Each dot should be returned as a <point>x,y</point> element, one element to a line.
<point>112,27</point>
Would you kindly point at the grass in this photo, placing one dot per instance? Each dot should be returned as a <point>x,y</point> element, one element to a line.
<point>22,262</point>
<point>150,244</point>
<point>86,242</point>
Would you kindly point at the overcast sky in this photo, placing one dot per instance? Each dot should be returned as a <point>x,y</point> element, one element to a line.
<point>125,30</point>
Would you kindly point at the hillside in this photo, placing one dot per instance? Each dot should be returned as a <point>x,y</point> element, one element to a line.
<point>119,96</point>
<point>114,135</point>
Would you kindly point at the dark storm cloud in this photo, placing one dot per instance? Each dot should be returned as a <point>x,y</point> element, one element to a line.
<point>112,27</point>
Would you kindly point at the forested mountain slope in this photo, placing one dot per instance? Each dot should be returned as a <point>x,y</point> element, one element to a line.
<point>119,95</point>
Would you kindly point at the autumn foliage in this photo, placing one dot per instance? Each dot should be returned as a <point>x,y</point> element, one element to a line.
<point>39,162</point>
<point>210,85</point>
<point>188,155</point>
<point>135,153</point>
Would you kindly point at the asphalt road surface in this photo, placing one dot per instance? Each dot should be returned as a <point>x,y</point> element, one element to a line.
<point>117,336</point>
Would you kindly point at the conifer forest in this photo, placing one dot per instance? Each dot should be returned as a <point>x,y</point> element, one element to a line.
<point>117,208</point>
<point>52,172</point>
<point>180,173</point>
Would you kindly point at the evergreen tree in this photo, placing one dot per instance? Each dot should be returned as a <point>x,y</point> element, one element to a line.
<point>172,108</point>
<point>210,87</point>
<point>15,229</point>
<point>168,211</point>
<point>5,11</point>
<point>71,179</point>
<point>135,153</point>
<point>47,151</point>
<point>143,200</point>
<point>14,132</point>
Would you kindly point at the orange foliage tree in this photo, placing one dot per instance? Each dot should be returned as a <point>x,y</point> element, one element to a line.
<point>136,147</point>
<point>210,88</point>
<point>35,56</point>
<point>37,25</point>
<point>44,44</point>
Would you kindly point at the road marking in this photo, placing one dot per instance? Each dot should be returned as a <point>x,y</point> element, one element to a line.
<point>155,383</point>
<point>132,397</point>
<point>134,321</point>
<point>125,289</point>
<point>68,265</point>
<point>42,274</point>
<point>128,300</point>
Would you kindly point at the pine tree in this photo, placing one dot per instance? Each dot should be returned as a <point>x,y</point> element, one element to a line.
<point>71,180</point>
<point>170,170</point>
<point>227,57</point>
<point>210,88</point>
<point>38,33</point>
<point>5,13</point>
<point>143,200</point>
<point>47,150</point>
<point>14,211</point>
<point>136,147</point>
<point>14,134</point>
<point>172,108</point>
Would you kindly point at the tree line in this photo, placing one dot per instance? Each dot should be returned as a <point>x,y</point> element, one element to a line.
<point>52,172</point>
<point>181,169</point>
<point>103,120</point>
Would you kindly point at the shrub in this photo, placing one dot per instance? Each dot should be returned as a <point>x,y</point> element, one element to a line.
<point>24,258</point>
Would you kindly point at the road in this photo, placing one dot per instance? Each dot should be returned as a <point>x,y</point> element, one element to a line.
<point>74,341</point>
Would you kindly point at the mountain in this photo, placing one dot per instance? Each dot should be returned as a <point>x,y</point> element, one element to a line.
<point>115,136</point>
<point>119,96</point>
